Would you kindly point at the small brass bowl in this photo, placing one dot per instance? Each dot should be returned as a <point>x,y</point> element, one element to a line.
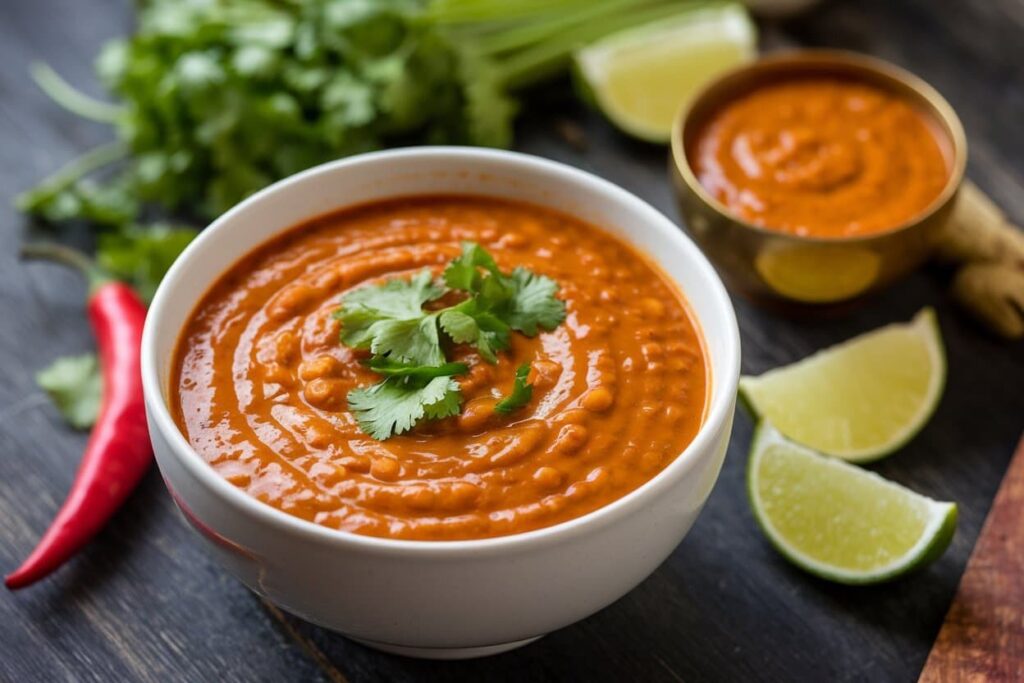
<point>797,272</point>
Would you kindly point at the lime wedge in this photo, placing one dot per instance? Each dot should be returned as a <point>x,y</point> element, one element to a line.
<point>838,521</point>
<point>860,400</point>
<point>642,76</point>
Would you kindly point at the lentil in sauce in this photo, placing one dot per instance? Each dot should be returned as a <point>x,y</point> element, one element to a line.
<point>260,379</point>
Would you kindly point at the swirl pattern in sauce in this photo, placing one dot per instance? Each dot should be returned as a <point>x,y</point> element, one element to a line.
<point>261,378</point>
<point>822,157</point>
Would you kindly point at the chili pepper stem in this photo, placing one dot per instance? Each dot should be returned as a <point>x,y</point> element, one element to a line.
<point>73,258</point>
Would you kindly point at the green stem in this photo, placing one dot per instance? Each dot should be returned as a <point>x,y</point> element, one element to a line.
<point>545,59</point>
<point>72,171</point>
<point>75,101</point>
<point>474,11</point>
<point>527,34</point>
<point>59,253</point>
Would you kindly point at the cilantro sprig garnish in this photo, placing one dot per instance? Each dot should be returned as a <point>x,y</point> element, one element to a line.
<point>407,341</point>
<point>398,403</point>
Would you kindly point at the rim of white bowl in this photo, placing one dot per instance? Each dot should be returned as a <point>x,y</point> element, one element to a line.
<point>723,384</point>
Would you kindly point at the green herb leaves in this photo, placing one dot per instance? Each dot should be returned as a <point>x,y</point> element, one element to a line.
<point>76,386</point>
<point>407,342</point>
<point>521,393</point>
<point>395,298</point>
<point>222,98</point>
<point>218,99</point>
<point>533,303</point>
<point>142,256</point>
<point>398,403</point>
<point>389,320</point>
<point>499,303</point>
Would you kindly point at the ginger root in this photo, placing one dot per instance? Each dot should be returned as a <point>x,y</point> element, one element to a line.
<point>994,292</point>
<point>990,280</point>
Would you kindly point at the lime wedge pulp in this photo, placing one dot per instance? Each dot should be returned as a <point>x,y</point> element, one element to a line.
<point>640,77</point>
<point>859,400</point>
<point>838,521</point>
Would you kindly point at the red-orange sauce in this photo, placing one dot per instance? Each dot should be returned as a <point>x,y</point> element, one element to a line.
<point>822,157</point>
<point>260,380</point>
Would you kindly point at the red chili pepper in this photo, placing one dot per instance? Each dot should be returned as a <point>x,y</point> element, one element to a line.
<point>119,451</point>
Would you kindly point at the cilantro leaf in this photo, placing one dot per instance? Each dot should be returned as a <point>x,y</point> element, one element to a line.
<point>533,303</point>
<point>396,298</point>
<point>462,272</point>
<point>449,405</point>
<point>476,326</point>
<point>410,393</point>
<point>467,324</point>
<point>68,195</point>
<point>75,385</point>
<point>493,337</point>
<point>388,319</point>
<point>395,405</point>
<point>462,328</point>
<point>109,204</point>
<point>357,325</point>
<point>523,301</point>
<point>414,341</point>
<point>521,393</point>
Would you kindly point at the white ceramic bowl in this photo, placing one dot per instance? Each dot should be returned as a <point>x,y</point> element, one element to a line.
<point>442,599</point>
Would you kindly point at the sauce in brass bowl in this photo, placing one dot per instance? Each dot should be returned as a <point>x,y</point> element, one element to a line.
<point>815,177</point>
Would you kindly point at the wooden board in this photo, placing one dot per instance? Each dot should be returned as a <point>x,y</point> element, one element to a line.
<point>982,638</point>
<point>146,603</point>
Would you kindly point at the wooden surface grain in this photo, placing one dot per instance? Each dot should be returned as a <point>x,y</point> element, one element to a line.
<point>982,638</point>
<point>145,602</point>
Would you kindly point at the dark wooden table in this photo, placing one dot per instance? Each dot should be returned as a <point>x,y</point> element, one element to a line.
<point>146,603</point>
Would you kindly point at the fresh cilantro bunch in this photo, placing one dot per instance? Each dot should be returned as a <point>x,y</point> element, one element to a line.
<point>219,98</point>
<point>407,340</point>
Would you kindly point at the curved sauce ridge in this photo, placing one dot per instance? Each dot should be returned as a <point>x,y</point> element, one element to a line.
<point>822,157</point>
<point>260,381</point>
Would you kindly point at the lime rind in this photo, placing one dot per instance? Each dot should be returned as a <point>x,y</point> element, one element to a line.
<point>933,541</point>
<point>591,64</point>
<point>926,324</point>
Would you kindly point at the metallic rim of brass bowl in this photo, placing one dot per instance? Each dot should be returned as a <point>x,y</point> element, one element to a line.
<point>844,62</point>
